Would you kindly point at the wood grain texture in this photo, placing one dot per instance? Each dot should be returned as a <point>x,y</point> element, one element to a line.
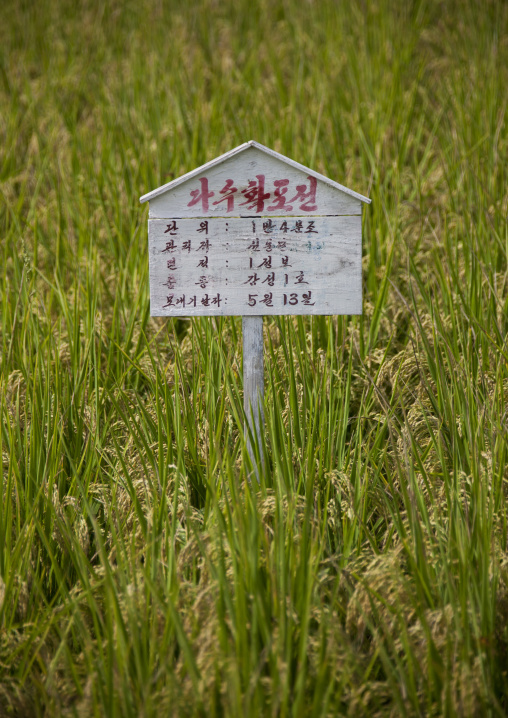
<point>236,266</point>
<point>227,156</point>
<point>253,385</point>
<point>243,169</point>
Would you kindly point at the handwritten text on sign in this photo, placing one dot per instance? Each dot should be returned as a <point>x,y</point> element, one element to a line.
<point>257,197</point>
<point>255,265</point>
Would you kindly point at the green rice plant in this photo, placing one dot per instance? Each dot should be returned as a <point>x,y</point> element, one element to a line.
<point>143,570</point>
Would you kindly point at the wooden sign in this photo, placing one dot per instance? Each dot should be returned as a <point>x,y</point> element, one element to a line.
<point>254,233</point>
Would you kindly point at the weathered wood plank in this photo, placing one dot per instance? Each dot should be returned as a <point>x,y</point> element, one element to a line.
<point>253,183</point>
<point>226,266</point>
<point>251,144</point>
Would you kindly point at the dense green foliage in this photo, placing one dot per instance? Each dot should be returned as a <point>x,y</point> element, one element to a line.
<point>141,573</point>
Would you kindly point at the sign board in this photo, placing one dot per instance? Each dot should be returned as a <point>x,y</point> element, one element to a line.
<point>254,233</point>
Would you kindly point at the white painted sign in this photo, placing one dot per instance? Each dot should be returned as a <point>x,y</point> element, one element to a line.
<point>254,233</point>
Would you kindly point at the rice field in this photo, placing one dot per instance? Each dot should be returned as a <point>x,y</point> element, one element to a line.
<point>141,573</point>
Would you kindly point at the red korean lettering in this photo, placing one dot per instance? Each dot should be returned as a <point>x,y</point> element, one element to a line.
<point>202,195</point>
<point>255,195</point>
<point>253,279</point>
<point>229,195</point>
<point>172,228</point>
<point>300,279</point>
<point>170,246</point>
<point>281,188</point>
<point>170,282</point>
<point>204,246</point>
<point>307,197</point>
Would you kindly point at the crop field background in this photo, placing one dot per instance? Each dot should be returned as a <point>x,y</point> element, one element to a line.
<point>141,573</point>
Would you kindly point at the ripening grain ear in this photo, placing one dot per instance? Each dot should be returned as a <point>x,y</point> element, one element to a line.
<point>141,572</point>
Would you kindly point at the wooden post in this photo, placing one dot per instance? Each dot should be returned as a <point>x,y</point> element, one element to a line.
<point>253,386</point>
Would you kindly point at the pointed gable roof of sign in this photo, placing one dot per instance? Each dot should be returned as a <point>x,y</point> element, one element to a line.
<point>237,150</point>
